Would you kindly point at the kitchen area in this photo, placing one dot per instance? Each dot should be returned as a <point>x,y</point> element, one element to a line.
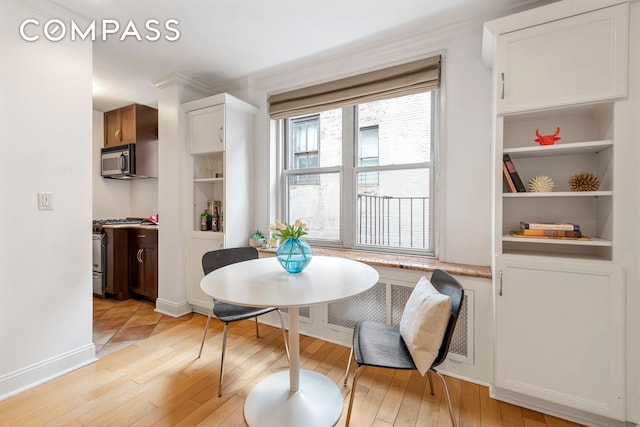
<point>125,203</point>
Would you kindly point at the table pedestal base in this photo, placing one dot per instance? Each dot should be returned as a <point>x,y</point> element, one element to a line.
<point>318,402</point>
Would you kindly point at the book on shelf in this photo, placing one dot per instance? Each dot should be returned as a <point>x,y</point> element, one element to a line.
<point>520,234</point>
<point>513,173</point>
<point>507,179</point>
<point>566,226</point>
<point>550,233</point>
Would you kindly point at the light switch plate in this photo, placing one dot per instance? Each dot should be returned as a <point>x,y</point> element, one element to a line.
<point>45,201</point>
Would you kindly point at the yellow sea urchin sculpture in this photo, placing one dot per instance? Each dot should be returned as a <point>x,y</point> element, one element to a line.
<point>584,181</point>
<point>540,184</point>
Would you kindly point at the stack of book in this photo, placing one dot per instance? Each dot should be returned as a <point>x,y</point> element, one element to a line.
<point>550,230</point>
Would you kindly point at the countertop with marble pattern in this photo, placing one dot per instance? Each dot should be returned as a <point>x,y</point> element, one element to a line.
<point>409,262</point>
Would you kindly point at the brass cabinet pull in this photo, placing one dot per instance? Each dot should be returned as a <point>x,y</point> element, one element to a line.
<point>220,134</point>
<point>502,75</point>
<point>500,291</point>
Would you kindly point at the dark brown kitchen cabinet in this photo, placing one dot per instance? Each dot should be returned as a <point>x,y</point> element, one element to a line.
<point>117,270</point>
<point>143,263</point>
<point>129,125</point>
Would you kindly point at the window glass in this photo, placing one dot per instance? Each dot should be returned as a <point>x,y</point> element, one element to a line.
<point>317,205</point>
<point>403,128</point>
<point>386,188</point>
<point>395,214</point>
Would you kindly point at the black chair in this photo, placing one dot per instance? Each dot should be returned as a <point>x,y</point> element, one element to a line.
<point>228,313</point>
<point>381,345</point>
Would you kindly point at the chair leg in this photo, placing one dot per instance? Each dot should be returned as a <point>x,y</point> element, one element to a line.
<point>430,382</point>
<point>446,392</point>
<point>224,347</point>
<point>284,334</point>
<point>346,374</point>
<point>257,330</point>
<point>206,329</point>
<point>356,376</point>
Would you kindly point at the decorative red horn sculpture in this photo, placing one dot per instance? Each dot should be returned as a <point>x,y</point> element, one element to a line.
<point>547,139</point>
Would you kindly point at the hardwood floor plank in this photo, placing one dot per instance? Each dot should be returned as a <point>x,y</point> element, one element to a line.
<point>454,385</point>
<point>230,413</point>
<point>469,405</point>
<point>393,399</point>
<point>410,405</point>
<point>370,392</point>
<point>490,415</point>
<point>552,421</point>
<point>511,415</point>
<point>160,381</point>
<point>533,418</point>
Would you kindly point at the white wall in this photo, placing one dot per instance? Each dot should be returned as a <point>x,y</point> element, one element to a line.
<point>465,141</point>
<point>45,256</point>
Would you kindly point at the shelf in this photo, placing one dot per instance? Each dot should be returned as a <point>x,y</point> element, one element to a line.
<point>559,194</point>
<point>595,241</point>
<point>213,235</point>
<point>208,180</point>
<point>588,147</point>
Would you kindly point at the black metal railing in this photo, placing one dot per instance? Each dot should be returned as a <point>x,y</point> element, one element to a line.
<point>393,221</point>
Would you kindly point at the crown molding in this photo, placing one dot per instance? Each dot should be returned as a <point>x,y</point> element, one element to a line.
<point>181,80</point>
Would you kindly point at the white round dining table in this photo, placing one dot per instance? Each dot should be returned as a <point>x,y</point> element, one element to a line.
<point>295,397</point>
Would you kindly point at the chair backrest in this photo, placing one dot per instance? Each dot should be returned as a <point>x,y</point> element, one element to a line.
<point>446,284</point>
<point>221,257</point>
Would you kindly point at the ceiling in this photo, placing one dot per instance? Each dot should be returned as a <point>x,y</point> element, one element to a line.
<point>224,40</point>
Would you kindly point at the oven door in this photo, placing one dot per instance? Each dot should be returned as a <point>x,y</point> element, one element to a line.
<point>98,250</point>
<point>98,283</point>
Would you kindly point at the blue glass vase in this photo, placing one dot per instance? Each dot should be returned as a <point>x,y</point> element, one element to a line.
<point>294,255</point>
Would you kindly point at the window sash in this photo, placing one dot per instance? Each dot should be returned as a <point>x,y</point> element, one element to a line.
<point>349,184</point>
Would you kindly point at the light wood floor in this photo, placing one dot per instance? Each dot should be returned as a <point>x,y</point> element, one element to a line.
<point>160,382</point>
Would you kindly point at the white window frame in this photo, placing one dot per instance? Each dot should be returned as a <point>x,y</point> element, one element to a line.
<point>348,182</point>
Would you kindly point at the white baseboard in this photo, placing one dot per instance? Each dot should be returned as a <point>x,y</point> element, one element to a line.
<point>28,377</point>
<point>555,409</point>
<point>173,309</point>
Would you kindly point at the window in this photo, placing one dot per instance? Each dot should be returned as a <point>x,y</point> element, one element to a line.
<point>371,166</point>
<point>358,157</point>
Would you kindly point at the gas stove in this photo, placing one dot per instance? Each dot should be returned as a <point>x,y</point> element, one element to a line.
<point>98,223</point>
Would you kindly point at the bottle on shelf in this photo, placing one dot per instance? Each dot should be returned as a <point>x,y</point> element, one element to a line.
<point>215,219</point>
<point>205,221</point>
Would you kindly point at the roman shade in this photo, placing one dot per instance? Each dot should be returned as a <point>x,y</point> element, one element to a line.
<point>405,79</point>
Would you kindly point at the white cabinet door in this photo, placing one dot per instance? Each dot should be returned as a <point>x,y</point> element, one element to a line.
<point>205,130</point>
<point>560,332</point>
<point>200,243</point>
<point>579,59</point>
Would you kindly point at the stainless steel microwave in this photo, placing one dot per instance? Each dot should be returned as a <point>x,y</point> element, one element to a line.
<point>130,161</point>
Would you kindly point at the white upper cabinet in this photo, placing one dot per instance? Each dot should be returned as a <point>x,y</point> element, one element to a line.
<point>205,129</point>
<point>582,58</point>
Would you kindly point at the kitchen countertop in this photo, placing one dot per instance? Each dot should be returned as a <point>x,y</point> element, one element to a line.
<point>409,262</point>
<point>138,226</point>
